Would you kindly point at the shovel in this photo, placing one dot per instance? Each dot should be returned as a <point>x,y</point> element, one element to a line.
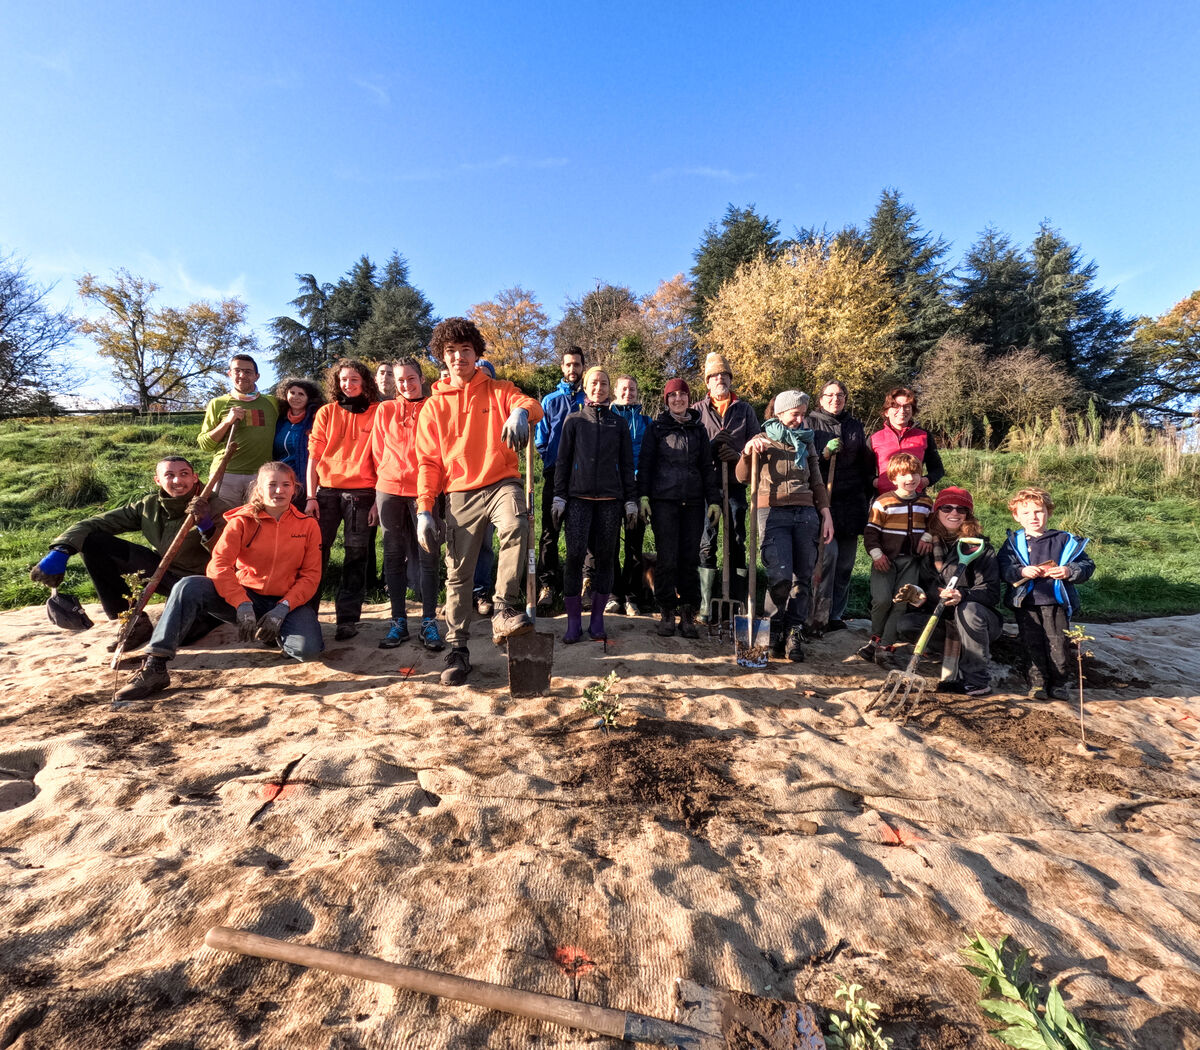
<point>714,1020</point>
<point>725,609</point>
<point>902,691</point>
<point>530,655</point>
<point>751,637</point>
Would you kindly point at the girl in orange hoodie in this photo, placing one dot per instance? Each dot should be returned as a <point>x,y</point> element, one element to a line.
<point>264,568</point>
<point>341,482</point>
<point>394,449</point>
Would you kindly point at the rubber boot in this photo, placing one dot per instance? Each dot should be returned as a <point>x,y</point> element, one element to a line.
<point>596,624</point>
<point>574,620</point>
<point>708,579</point>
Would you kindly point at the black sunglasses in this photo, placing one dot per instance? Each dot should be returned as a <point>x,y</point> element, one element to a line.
<point>954,510</point>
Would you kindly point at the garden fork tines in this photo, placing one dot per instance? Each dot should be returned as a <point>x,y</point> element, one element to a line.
<point>900,694</point>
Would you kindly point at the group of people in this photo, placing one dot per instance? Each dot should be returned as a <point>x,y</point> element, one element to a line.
<point>439,471</point>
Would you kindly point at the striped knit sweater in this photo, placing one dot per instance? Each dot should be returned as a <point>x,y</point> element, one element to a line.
<point>895,525</point>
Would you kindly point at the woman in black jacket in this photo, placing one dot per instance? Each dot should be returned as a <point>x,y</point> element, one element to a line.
<point>593,483</point>
<point>676,478</point>
<point>844,453</point>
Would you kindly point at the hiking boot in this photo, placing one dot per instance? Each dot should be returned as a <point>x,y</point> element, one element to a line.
<point>397,634</point>
<point>835,625</point>
<point>978,690</point>
<point>793,649</point>
<point>612,606</point>
<point>139,634</point>
<point>687,623</point>
<point>586,597</point>
<point>1057,692</point>
<point>150,678</point>
<point>574,621</point>
<point>345,631</point>
<point>458,666</point>
<point>430,638</point>
<point>545,598</point>
<point>666,624</point>
<point>484,605</point>
<point>869,651</point>
<point>631,608</point>
<point>778,643</point>
<point>509,623</point>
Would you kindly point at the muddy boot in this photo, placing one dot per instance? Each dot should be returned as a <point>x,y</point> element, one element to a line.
<point>149,679</point>
<point>666,624</point>
<point>586,596</point>
<point>708,579</point>
<point>596,623</point>
<point>509,623</point>
<point>793,649</point>
<point>687,623</point>
<point>574,620</point>
<point>458,666</point>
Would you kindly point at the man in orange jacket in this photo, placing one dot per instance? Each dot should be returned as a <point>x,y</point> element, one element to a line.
<point>468,439</point>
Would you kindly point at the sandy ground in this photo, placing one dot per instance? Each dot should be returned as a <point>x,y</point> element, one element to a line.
<point>750,831</point>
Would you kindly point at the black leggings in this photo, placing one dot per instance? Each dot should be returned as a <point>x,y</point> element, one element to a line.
<point>678,526</point>
<point>398,517</point>
<point>590,524</point>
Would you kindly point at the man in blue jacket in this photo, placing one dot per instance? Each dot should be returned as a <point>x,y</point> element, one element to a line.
<point>628,588</point>
<point>564,399</point>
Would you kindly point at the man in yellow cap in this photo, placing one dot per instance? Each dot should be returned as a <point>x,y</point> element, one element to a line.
<point>730,423</point>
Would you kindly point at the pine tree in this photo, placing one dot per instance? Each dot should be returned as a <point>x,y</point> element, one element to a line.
<point>303,347</point>
<point>992,293</point>
<point>740,237</point>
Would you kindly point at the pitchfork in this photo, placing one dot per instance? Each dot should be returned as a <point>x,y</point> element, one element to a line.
<point>724,609</point>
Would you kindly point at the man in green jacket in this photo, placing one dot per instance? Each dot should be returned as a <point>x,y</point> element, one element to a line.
<point>254,414</point>
<point>108,558</point>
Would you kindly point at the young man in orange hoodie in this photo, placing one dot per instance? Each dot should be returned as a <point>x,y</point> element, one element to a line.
<point>469,437</point>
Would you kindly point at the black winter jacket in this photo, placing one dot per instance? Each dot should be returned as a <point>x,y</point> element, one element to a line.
<point>677,462</point>
<point>595,456</point>
<point>854,479</point>
<point>980,581</point>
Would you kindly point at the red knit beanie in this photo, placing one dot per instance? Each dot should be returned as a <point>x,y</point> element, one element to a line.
<point>954,497</point>
<point>676,384</point>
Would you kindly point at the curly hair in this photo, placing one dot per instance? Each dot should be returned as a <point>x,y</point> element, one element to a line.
<point>969,528</point>
<point>255,498</point>
<point>902,463</point>
<point>456,330</point>
<point>901,391</point>
<point>1038,496</point>
<point>315,397</point>
<point>370,388</point>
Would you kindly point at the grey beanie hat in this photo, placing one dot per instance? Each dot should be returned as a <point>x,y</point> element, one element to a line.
<point>790,399</point>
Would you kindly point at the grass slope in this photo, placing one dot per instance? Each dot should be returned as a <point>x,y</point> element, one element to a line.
<point>1138,505</point>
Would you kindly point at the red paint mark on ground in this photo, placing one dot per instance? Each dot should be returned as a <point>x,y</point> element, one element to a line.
<point>574,962</point>
<point>406,671</point>
<point>275,792</point>
<point>1123,637</point>
<point>900,836</point>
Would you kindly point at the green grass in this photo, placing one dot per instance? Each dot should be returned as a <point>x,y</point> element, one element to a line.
<point>1137,503</point>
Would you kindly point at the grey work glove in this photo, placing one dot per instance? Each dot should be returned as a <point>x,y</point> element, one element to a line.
<point>631,514</point>
<point>247,622</point>
<point>557,509</point>
<point>516,429</point>
<point>714,515</point>
<point>645,514</point>
<point>270,622</point>
<point>427,531</point>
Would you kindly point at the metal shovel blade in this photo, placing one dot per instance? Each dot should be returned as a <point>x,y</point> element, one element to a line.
<point>751,642</point>
<point>530,657</point>
<point>738,1019</point>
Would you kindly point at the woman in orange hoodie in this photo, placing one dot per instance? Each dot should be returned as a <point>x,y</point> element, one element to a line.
<point>341,483</point>
<point>264,568</point>
<point>394,449</point>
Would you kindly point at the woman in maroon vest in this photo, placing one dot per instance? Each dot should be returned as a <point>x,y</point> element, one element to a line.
<point>899,435</point>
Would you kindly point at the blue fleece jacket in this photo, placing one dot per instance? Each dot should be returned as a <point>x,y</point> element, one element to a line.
<point>637,422</point>
<point>556,406</point>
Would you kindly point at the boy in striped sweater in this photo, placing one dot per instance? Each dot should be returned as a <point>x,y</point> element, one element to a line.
<point>894,541</point>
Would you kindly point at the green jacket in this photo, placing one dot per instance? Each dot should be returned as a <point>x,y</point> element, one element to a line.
<point>157,517</point>
<point>255,435</point>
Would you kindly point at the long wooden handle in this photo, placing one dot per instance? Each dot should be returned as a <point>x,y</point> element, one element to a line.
<point>429,982</point>
<point>726,563</point>
<point>752,553</point>
<point>531,554</point>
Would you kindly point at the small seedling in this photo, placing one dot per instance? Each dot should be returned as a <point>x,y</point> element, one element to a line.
<point>136,582</point>
<point>1035,1022</point>
<point>603,699</point>
<point>1076,635</point>
<point>859,1029</point>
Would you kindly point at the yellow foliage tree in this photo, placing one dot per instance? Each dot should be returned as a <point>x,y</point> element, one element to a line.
<point>516,330</point>
<point>820,311</point>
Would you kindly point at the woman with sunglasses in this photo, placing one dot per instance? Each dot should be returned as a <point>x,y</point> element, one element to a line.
<point>975,597</point>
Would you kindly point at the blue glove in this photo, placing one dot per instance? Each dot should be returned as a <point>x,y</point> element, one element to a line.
<point>202,512</point>
<point>51,568</point>
<point>427,532</point>
<point>516,429</point>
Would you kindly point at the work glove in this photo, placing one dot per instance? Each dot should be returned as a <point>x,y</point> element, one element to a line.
<point>247,622</point>
<point>557,509</point>
<point>714,515</point>
<point>515,433</point>
<point>202,512</point>
<point>645,504</point>
<point>631,514</point>
<point>724,447</point>
<point>270,622</point>
<point>427,531</point>
<point>51,568</point>
<point>833,447</point>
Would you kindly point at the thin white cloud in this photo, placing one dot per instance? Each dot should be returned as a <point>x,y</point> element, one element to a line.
<point>702,172</point>
<point>376,90</point>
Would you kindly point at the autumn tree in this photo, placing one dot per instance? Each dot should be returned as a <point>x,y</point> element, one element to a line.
<point>667,312</point>
<point>517,331</point>
<point>1168,348</point>
<point>740,237</point>
<point>162,356</point>
<point>31,336</point>
<point>598,321</point>
<point>820,311</point>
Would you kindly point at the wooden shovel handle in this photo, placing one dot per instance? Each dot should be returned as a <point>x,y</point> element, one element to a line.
<point>492,996</point>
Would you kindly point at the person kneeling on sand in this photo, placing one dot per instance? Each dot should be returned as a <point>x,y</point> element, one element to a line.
<point>108,558</point>
<point>264,569</point>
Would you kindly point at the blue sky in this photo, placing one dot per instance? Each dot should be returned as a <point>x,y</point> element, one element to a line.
<point>221,148</point>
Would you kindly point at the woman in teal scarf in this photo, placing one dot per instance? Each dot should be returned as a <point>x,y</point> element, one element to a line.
<point>793,511</point>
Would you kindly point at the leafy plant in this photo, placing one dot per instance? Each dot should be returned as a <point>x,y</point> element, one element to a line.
<point>603,699</point>
<point>1034,1022</point>
<point>1075,635</point>
<point>859,1029</point>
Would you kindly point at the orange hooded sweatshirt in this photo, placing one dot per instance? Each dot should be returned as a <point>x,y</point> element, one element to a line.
<point>459,448</point>
<point>394,446</point>
<point>258,553</point>
<point>340,445</point>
